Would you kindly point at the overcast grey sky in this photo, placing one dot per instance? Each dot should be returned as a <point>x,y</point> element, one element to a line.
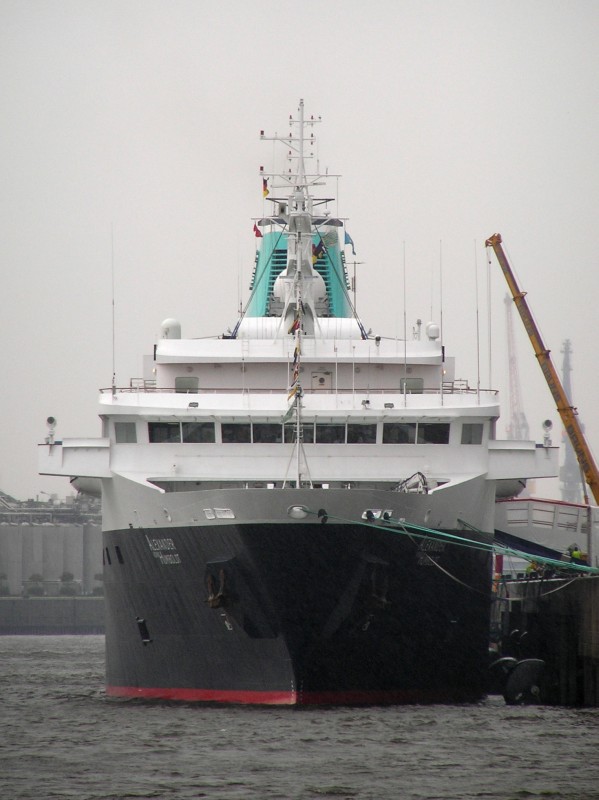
<point>138,121</point>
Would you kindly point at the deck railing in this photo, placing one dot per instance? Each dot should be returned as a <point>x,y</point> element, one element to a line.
<point>149,387</point>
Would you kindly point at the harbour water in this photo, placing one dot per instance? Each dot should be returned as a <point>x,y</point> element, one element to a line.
<point>61,738</point>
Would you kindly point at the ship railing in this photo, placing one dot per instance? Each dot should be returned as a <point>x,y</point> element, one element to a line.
<point>149,387</point>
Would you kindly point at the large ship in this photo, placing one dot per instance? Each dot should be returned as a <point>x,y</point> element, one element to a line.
<point>297,511</point>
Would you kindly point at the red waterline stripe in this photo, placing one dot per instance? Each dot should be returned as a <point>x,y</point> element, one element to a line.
<point>288,698</point>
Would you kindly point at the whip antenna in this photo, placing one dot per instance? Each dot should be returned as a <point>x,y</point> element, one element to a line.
<point>112,301</point>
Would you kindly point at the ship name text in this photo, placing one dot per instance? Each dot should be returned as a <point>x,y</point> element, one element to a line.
<point>158,546</point>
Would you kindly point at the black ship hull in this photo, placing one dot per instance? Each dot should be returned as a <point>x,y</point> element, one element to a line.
<point>294,614</point>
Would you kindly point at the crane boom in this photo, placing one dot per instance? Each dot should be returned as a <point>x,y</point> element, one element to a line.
<point>568,414</point>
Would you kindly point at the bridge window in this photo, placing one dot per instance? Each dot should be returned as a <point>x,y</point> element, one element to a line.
<point>236,432</point>
<point>433,433</point>
<point>198,432</point>
<point>159,432</point>
<point>330,434</point>
<point>472,433</point>
<point>399,433</point>
<point>124,433</point>
<point>361,434</point>
<point>267,433</point>
<point>307,433</point>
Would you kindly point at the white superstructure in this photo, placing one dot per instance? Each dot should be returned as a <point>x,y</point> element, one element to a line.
<point>299,397</point>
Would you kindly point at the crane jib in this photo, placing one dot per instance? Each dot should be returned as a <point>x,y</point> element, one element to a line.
<point>567,412</point>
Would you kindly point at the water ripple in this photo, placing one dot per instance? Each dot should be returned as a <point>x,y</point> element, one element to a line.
<point>64,739</point>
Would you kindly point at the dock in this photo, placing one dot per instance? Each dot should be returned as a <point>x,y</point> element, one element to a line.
<point>555,620</point>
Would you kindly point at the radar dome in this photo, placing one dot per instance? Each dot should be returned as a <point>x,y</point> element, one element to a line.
<point>432,331</point>
<point>170,329</point>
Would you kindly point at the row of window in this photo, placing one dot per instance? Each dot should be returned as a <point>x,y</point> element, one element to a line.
<point>312,433</point>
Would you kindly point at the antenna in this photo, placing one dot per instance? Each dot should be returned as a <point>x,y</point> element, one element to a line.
<point>301,166</point>
<point>477,325</point>
<point>489,321</point>
<point>405,327</point>
<point>112,300</point>
<point>441,287</point>
<point>239,290</point>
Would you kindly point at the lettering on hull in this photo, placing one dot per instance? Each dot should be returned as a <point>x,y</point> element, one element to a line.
<point>158,548</point>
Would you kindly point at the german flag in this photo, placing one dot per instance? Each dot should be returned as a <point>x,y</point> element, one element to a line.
<point>317,251</point>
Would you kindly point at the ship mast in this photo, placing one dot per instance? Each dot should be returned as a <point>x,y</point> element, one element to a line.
<point>299,445</point>
<point>299,287</point>
<point>302,276</point>
<point>301,167</point>
<point>295,395</point>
